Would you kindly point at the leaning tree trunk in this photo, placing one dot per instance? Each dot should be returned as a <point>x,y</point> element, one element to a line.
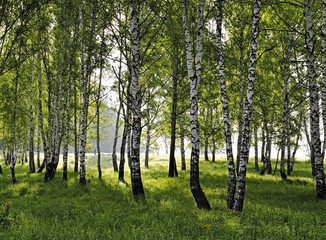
<point>173,172</point>
<point>314,105</point>
<point>194,77</point>
<point>227,126</point>
<point>244,151</point>
<point>31,126</point>
<point>136,182</point>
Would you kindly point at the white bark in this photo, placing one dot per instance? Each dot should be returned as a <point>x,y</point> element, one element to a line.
<point>244,150</point>
<point>194,78</point>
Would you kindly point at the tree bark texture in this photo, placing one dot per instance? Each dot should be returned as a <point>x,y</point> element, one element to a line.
<point>136,181</point>
<point>314,104</point>
<point>227,126</point>
<point>115,141</point>
<point>194,77</point>
<point>244,150</point>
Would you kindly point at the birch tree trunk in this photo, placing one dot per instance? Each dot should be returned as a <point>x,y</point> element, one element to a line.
<point>227,128</point>
<point>173,172</point>
<point>75,128</point>
<point>123,147</point>
<point>244,150</point>
<point>182,146</point>
<point>296,141</point>
<point>314,104</point>
<point>256,147</point>
<point>31,126</point>
<point>13,134</point>
<point>68,100</point>
<point>241,87</point>
<point>114,155</point>
<point>136,182</point>
<point>285,118</point>
<point>263,142</point>
<point>323,91</point>
<point>312,157</point>
<point>194,77</point>
<point>83,118</point>
<point>38,147</point>
<point>98,105</point>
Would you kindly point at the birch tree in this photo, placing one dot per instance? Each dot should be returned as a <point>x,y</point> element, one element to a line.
<point>244,150</point>
<point>314,104</point>
<point>136,181</point>
<point>194,79</point>
<point>227,126</point>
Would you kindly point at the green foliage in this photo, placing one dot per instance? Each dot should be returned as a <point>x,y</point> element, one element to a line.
<point>104,209</point>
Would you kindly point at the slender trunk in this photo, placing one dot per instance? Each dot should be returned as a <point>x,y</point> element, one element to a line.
<point>182,146</point>
<point>256,147</point>
<point>40,119</point>
<point>68,100</point>
<point>38,147</point>
<point>172,163</point>
<point>241,87</point>
<point>83,118</point>
<point>31,126</point>
<point>314,105</point>
<point>85,81</point>
<point>296,142</point>
<point>194,77</point>
<point>75,128</point>
<point>268,151</point>
<point>114,155</point>
<point>136,181</point>
<point>13,134</point>
<point>206,149</point>
<point>285,117</point>
<point>227,127</point>
<point>244,151</point>
<point>123,149</point>
<point>98,105</point>
<point>278,152</point>
<point>312,157</point>
<point>148,140</point>
<point>263,142</point>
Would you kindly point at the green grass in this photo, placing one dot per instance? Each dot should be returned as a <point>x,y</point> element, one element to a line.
<point>104,209</point>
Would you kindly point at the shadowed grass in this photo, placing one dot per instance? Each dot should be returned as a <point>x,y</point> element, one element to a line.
<point>104,209</point>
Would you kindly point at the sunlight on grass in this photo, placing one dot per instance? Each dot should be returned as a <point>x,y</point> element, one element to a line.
<point>105,209</point>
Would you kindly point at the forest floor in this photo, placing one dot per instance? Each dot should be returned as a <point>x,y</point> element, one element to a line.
<point>104,209</point>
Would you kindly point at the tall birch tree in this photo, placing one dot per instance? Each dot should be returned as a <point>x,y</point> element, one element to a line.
<point>244,150</point>
<point>227,126</point>
<point>194,79</point>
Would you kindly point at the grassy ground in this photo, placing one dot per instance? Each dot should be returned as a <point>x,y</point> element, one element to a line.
<point>273,209</point>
